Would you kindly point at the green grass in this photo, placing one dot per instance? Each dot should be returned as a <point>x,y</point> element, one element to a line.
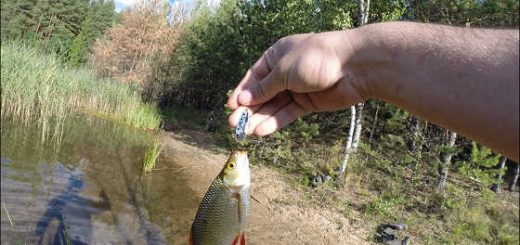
<point>464,214</point>
<point>384,206</point>
<point>36,86</point>
<point>378,191</point>
<point>150,156</point>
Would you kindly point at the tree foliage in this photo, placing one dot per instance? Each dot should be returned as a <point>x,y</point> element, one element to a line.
<point>129,49</point>
<point>484,13</point>
<point>65,27</point>
<point>481,166</point>
<point>218,45</point>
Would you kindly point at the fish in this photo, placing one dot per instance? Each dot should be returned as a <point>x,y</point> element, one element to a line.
<point>222,215</point>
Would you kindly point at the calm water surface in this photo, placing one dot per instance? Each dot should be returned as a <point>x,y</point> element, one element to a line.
<point>88,187</point>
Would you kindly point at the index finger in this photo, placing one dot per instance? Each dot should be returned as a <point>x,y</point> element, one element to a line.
<point>258,71</point>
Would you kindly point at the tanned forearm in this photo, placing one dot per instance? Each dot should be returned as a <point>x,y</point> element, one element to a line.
<point>466,80</point>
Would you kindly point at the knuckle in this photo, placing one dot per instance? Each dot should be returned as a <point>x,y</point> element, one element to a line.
<point>260,92</point>
<point>281,41</point>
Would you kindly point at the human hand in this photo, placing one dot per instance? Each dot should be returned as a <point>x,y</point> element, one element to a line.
<point>299,74</point>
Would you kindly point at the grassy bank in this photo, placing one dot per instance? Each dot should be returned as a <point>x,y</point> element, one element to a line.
<point>36,86</point>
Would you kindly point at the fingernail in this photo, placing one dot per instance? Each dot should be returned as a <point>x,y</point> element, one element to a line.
<point>249,130</point>
<point>245,98</point>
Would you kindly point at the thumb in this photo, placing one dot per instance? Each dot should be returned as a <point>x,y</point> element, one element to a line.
<point>263,90</point>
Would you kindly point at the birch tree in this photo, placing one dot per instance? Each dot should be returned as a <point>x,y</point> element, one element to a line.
<point>447,154</point>
<point>416,146</point>
<point>512,182</point>
<point>180,12</point>
<point>348,145</point>
<point>359,126</point>
<point>355,123</point>
<point>374,124</point>
<point>497,187</point>
<point>364,9</point>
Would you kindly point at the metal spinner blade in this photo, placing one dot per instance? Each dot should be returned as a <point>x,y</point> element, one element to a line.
<point>243,122</point>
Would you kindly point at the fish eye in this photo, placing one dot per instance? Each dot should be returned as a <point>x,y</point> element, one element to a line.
<point>231,165</point>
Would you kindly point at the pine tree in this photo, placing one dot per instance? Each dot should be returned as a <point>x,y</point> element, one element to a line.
<point>14,18</point>
<point>64,27</point>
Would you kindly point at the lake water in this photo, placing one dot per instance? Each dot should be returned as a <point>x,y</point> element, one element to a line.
<point>88,187</point>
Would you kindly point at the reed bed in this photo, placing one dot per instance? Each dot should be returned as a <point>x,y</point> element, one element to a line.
<point>36,86</point>
<point>151,155</point>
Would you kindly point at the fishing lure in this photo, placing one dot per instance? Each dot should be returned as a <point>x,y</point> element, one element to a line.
<point>243,122</point>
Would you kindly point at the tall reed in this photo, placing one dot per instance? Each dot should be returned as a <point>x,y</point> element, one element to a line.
<point>151,155</point>
<point>36,86</point>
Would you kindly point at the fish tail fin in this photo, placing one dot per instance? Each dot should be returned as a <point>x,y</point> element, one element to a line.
<point>243,239</point>
<point>240,239</point>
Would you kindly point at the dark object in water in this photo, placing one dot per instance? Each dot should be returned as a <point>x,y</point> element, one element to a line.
<point>68,218</point>
<point>388,234</point>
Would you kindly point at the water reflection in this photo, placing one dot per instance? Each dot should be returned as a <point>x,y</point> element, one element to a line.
<point>68,217</point>
<point>89,188</point>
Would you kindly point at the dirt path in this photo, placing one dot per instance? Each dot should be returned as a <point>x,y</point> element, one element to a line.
<point>283,219</point>
<point>278,218</point>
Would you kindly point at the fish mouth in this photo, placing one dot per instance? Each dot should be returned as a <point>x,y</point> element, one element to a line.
<point>236,188</point>
<point>240,153</point>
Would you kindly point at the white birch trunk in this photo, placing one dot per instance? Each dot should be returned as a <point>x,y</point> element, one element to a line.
<point>374,124</point>
<point>364,10</point>
<point>348,144</point>
<point>355,124</point>
<point>446,160</point>
<point>359,126</point>
<point>501,166</point>
<point>512,182</point>
<point>416,146</point>
<point>497,187</point>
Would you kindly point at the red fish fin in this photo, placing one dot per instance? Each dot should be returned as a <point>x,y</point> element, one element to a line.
<point>243,239</point>
<point>240,239</point>
<point>191,240</point>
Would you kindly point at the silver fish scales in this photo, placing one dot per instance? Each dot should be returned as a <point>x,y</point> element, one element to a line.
<point>222,214</point>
